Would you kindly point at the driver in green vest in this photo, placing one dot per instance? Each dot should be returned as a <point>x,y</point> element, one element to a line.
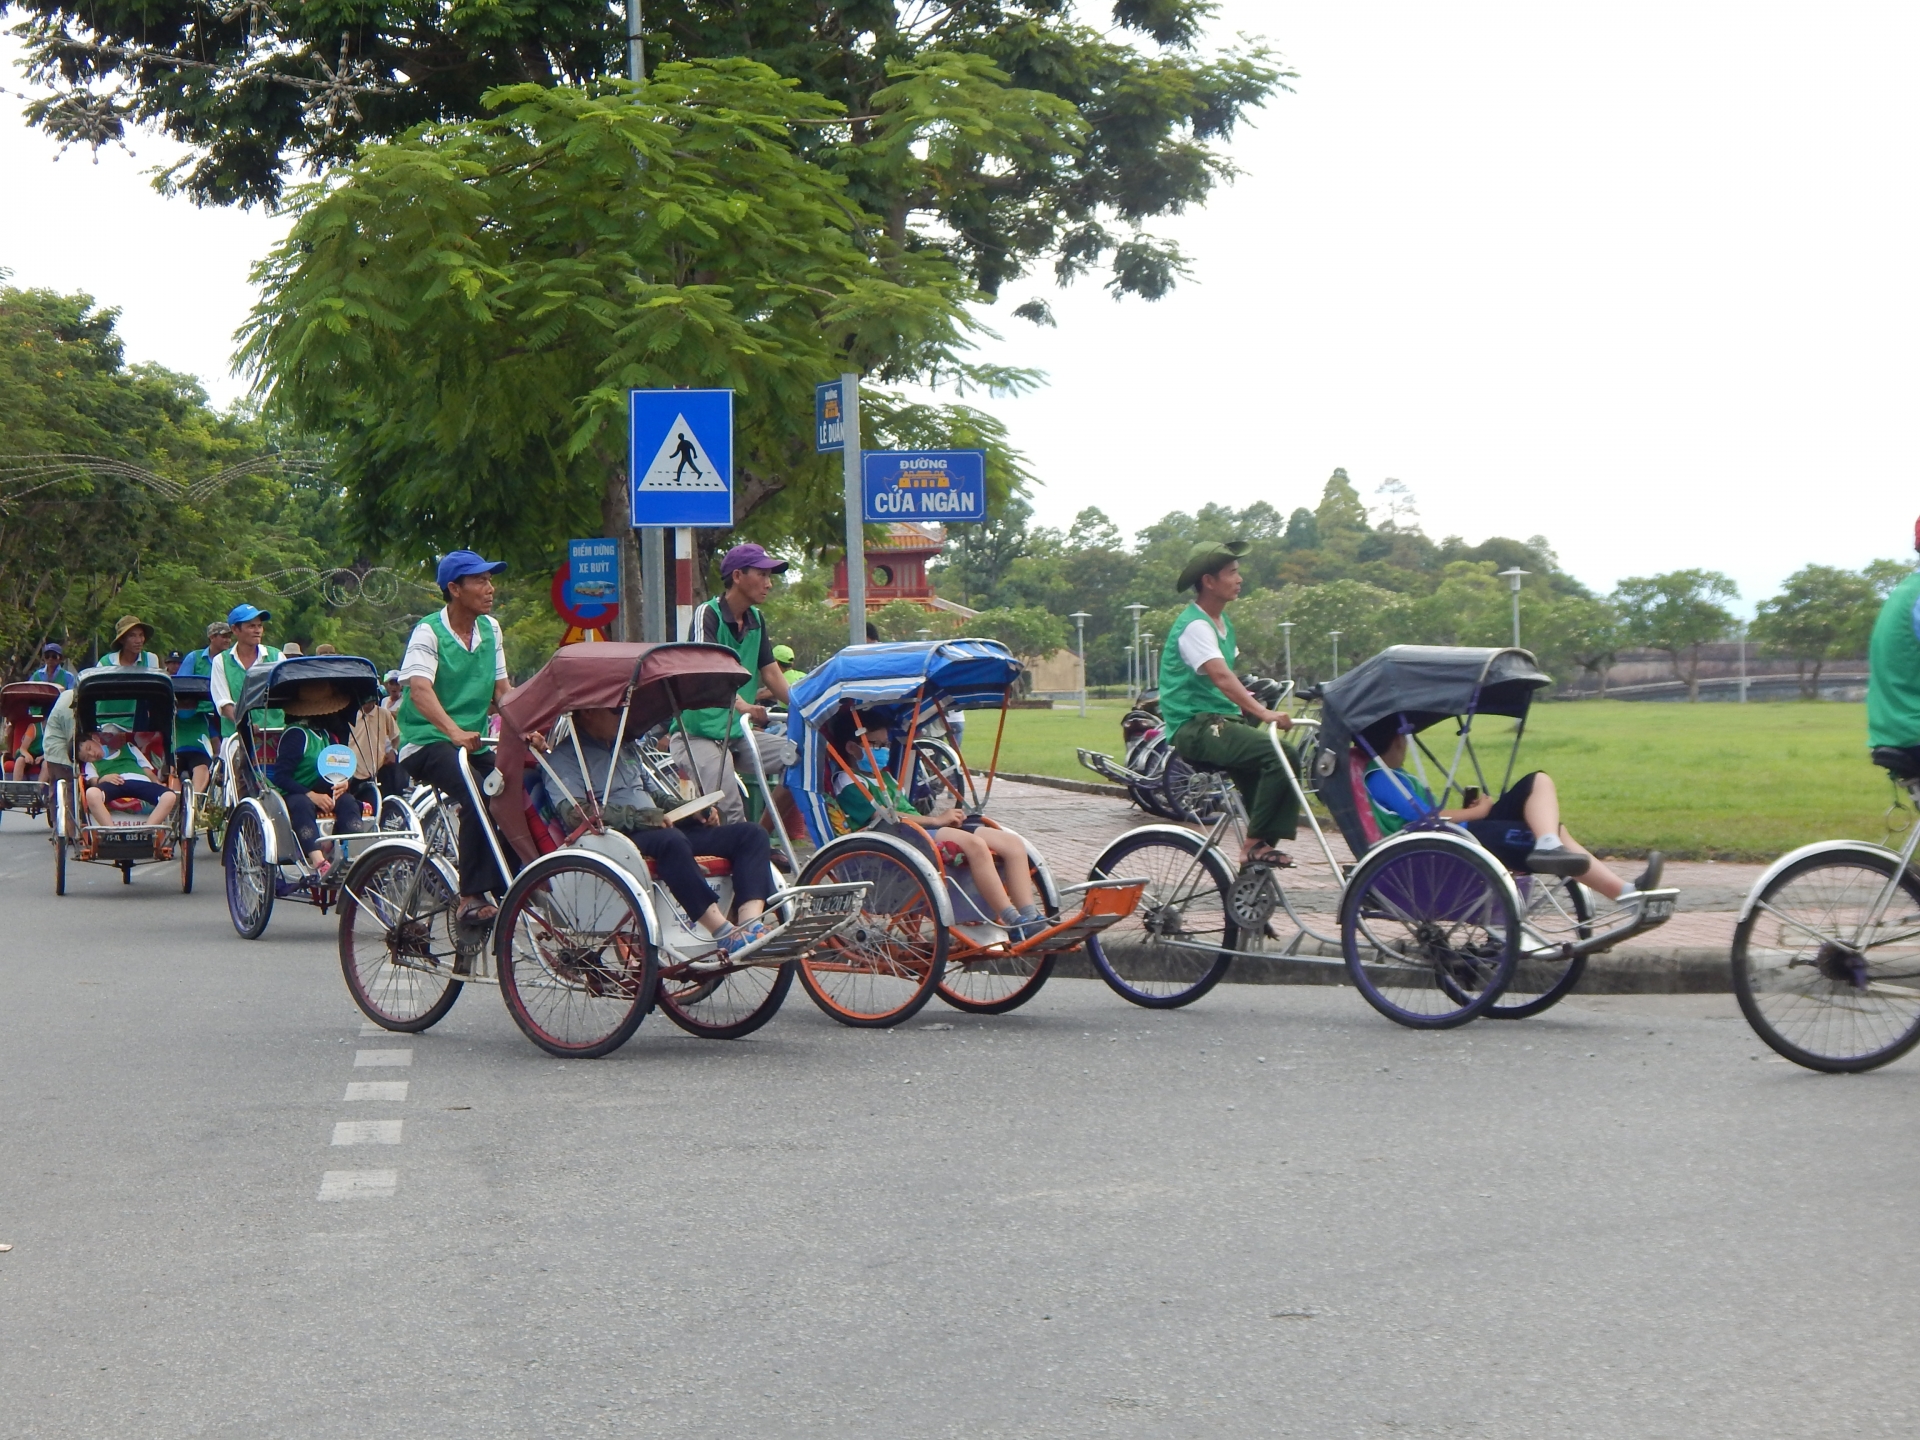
<point>1893,668</point>
<point>230,666</point>
<point>454,673</point>
<point>1209,716</point>
<point>706,743</point>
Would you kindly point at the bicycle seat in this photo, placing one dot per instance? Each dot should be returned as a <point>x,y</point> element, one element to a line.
<point>1900,762</point>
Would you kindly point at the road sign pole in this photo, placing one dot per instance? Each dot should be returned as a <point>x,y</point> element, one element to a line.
<point>856,534</point>
<point>683,583</point>
<point>653,589</point>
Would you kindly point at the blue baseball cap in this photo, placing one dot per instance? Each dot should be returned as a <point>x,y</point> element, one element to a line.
<point>241,614</point>
<point>459,564</point>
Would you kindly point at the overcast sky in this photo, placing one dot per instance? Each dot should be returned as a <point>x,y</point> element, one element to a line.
<point>1638,277</point>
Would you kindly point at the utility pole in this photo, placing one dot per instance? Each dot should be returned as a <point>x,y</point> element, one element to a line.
<point>636,49</point>
<point>1513,578</point>
<point>1080,618</point>
<point>856,532</point>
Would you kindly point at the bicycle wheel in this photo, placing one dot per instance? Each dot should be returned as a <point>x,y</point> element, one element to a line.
<point>59,866</point>
<point>1180,939</point>
<point>887,965</point>
<point>726,1005</point>
<point>186,844</point>
<point>578,968</point>
<point>1816,981</point>
<point>1430,931</point>
<point>250,875</point>
<point>994,984</point>
<point>398,959</point>
<point>1557,913</point>
<point>394,814</point>
<point>938,775</point>
<point>440,828</point>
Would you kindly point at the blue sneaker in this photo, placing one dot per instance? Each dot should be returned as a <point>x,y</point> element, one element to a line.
<point>742,940</point>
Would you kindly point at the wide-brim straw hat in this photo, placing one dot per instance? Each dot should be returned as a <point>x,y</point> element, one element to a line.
<point>317,697</point>
<point>126,623</point>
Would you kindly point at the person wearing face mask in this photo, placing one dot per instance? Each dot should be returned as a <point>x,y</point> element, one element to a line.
<point>997,859</point>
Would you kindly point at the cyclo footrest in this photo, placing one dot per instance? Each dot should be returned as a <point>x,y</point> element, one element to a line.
<point>1102,903</point>
<point>819,913</point>
<point>1107,768</point>
<point>1652,909</point>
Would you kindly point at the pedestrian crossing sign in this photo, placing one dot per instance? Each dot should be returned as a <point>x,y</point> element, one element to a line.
<point>680,457</point>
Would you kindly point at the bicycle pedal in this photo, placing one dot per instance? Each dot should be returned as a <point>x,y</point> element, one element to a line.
<point>1253,897</point>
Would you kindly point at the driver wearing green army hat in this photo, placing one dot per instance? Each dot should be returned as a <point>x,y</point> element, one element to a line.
<point>1209,714</point>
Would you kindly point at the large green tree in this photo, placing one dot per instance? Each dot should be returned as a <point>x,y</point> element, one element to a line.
<point>1822,613</point>
<point>1677,613</point>
<point>465,309</point>
<point>258,89</point>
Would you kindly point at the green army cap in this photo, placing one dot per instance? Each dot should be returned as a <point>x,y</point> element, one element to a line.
<point>1207,557</point>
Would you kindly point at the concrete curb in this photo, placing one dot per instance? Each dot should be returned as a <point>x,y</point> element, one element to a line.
<point>1634,972</point>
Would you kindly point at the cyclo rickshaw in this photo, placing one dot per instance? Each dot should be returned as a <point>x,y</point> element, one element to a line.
<point>264,859</point>
<point>584,942</point>
<point>141,702</point>
<point>24,704</point>
<point>924,929</point>
<point>1432,929</point>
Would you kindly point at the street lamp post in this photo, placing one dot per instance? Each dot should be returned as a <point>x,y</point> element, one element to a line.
<point>1743,662</point>
<point>1080,618</point>
<point>1147,675</point>
<point>1334,635</point>
<point>1134,667</point>
<point>1513,578</point>
<point>1286,639</point>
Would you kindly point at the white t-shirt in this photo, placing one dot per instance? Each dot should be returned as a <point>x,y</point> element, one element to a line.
<point>217,685</point>
<point>1200,642</point>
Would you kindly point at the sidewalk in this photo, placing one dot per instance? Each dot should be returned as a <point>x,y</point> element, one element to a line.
<point>1690,953</point>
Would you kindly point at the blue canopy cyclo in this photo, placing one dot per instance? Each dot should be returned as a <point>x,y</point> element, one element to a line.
<point>958,905</point>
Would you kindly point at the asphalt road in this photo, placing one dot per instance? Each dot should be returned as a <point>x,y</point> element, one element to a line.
<point>1270,1214</point>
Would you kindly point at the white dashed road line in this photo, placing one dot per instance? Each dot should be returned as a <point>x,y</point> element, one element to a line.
<point>367,1132</point>
<point>358,1184</point>
<point>369,1184</point>
<point>376,1090</point>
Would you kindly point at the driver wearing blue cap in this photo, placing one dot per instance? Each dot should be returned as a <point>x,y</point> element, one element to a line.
<point>230,666</point>
<point>453,675</point>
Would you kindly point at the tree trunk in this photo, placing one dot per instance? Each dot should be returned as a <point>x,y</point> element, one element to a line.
<point>1605,671</point>
<point>1813,691</point>
<point>616,523</point>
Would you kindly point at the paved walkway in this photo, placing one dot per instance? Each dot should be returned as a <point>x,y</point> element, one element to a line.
<point>1689,952</point>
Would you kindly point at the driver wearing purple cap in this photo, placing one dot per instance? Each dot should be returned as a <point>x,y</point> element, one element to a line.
<point>706,743</point>
<point>453,674</point>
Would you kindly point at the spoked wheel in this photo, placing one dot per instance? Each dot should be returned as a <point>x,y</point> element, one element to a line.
<point>394,814</point>
<point>995,984</point>
<point>723,1005</point>
<point>440,828</point>
<point>398,958</point>
<point>1180,939</point>
<point>1430,931</point>
<point>250,875</point>
<point>885,966</point>
<point>1557,913</point>
<point>578,968</point>
<point>59,866</point>
<point>1818,978</point>
<point>1148,758</point>
<point>938,774</point>
<point>186,843</point>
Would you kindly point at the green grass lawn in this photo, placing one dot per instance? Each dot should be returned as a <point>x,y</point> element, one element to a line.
<point>1713,780</point>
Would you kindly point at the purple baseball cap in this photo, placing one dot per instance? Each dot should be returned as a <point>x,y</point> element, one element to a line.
<point>749,557</point>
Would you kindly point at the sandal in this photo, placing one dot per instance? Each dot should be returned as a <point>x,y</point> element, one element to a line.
<point>1260,853</point>
<point>478,912</point>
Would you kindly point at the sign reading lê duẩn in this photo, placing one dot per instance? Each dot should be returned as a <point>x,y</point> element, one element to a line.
<point>949,486</point>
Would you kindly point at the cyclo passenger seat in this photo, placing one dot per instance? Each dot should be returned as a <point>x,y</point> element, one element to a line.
<point>1900,762</point>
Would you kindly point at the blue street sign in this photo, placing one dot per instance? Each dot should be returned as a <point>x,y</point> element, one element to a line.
<point>680,457</point>
<point>829,426</point>
<point>949,486</point>
<point>593,578</point>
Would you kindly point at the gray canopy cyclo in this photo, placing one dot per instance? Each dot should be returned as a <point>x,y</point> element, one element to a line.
<point>1433,929</point>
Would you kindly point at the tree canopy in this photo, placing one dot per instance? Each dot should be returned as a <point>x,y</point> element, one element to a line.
<point>1118,125</point>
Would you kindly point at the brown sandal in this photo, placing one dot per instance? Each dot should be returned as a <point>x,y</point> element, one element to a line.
<point>1266,855</point>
